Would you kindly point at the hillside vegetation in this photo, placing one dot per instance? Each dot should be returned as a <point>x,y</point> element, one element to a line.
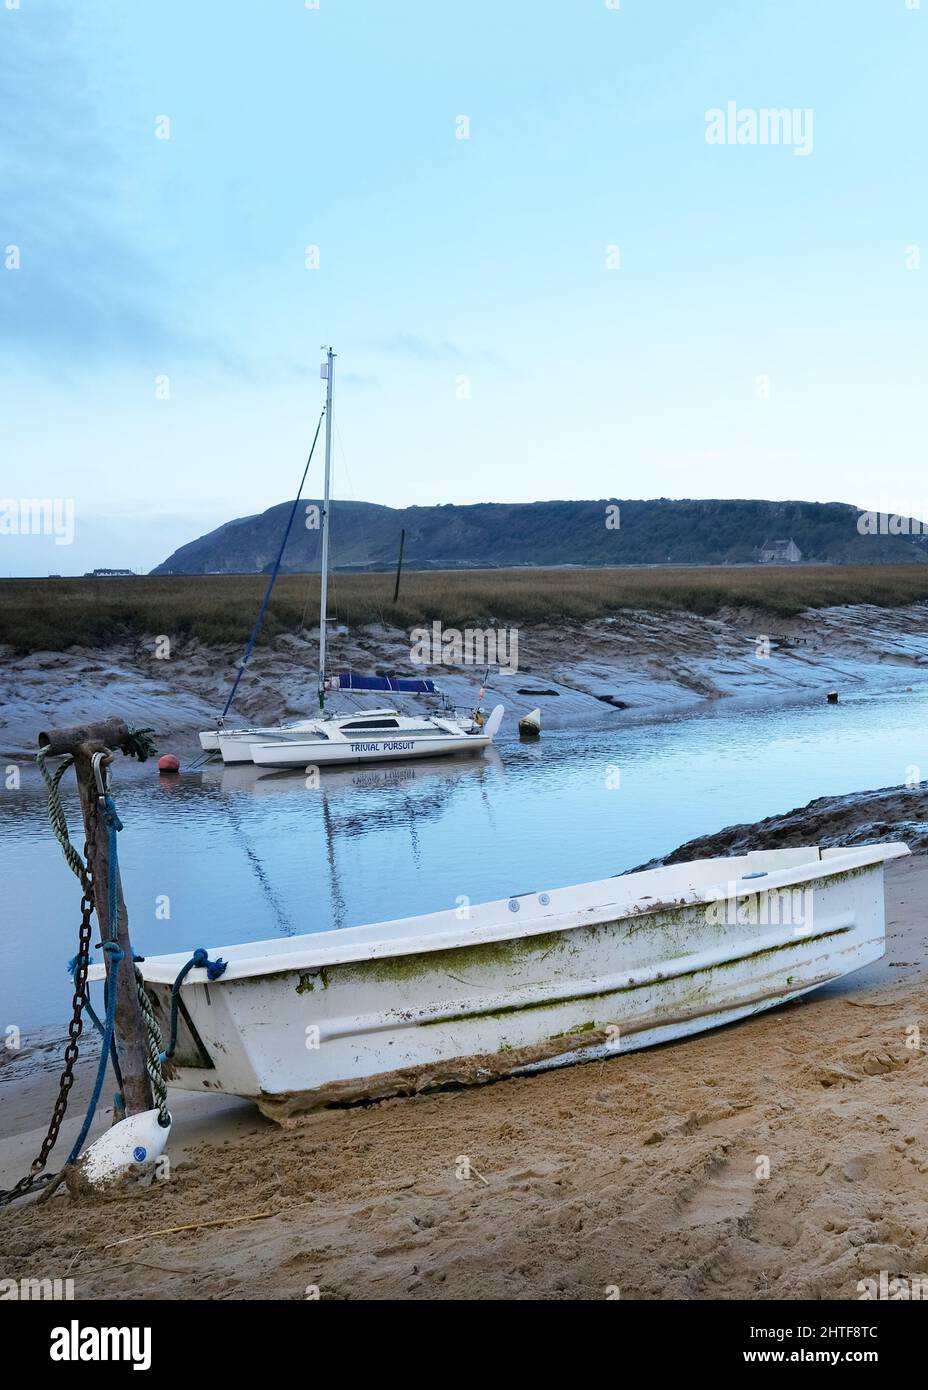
<point>491,535</point>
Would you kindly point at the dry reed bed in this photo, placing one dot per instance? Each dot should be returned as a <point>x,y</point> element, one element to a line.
<point>53,614</point>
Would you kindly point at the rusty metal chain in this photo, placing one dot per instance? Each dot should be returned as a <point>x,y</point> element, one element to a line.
<point>35,1178</point>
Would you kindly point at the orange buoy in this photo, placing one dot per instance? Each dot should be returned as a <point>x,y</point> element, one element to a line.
<point>169,763</point>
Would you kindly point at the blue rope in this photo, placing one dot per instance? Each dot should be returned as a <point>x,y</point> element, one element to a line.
<point>101,1029</point>
<point>274,572</point>
<point>115,952</point>
<point>89,1008</point>
<point>199,960</point>
<point>112,949</point>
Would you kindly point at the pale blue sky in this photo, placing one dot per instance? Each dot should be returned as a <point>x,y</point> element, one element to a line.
<point>443,258</point>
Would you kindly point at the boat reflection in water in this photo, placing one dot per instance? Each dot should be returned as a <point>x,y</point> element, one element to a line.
<point>428,775</point>
<point>347,804</point>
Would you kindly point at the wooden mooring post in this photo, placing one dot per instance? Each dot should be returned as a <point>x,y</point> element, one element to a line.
<point>399,565</point>
<point>129,1029</point>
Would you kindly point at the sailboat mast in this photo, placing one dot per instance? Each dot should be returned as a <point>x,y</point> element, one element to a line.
<point>329,370</point>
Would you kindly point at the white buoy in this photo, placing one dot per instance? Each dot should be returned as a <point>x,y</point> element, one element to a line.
<point>127,1152</point>
<point>530,724</point>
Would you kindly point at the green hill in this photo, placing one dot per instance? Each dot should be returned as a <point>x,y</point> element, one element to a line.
<point>365,536</point>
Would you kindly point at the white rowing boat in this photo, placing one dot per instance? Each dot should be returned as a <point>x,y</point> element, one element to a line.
<point>524,983</point>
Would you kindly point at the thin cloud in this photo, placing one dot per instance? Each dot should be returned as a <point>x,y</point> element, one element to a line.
<point>88,288</point>
<point>432,353</point>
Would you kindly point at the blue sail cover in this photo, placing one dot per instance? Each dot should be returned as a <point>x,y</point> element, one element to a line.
<point>349,680</point>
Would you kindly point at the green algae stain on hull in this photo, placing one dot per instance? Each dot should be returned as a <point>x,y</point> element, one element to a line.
<point>498,955</point>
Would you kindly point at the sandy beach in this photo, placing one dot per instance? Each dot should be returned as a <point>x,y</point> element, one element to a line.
<point>644,1174</point>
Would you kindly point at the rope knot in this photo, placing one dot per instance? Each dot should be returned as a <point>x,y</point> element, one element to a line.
<point>214,968</point>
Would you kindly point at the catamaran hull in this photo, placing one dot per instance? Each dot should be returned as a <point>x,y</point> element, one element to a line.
<point>355,751</point>
<point>322,741</point>
<point>533,982</point>
<point>235,744</point>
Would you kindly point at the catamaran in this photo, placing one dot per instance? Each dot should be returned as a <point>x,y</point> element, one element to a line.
<point>355,736</point>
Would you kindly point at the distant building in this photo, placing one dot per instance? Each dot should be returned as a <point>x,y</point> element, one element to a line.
<point>780,552</point>
<point>107,574</point>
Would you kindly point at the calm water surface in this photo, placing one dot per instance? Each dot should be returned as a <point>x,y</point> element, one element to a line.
<point>243,855</point>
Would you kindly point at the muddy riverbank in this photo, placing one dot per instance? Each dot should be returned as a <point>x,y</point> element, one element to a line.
<point>636,665</point>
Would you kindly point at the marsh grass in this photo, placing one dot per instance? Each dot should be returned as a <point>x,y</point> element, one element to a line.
<point>53,614</point>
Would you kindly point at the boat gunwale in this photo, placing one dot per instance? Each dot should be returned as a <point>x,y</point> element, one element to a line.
<point>354,945</point>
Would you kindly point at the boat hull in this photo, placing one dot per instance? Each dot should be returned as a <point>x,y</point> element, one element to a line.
<point>324,741</point>
<point>234,745</point>
<point>528,983</point>
<point>370,750</point>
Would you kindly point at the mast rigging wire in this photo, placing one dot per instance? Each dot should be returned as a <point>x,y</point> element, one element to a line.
<point>274,572</point>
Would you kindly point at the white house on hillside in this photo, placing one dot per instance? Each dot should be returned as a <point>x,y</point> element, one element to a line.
<point>780,552</point>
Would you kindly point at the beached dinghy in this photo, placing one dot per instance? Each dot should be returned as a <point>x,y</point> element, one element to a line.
<point>521,984</point>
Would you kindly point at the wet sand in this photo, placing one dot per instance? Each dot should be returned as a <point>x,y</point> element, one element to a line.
<point>640,1173</point>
